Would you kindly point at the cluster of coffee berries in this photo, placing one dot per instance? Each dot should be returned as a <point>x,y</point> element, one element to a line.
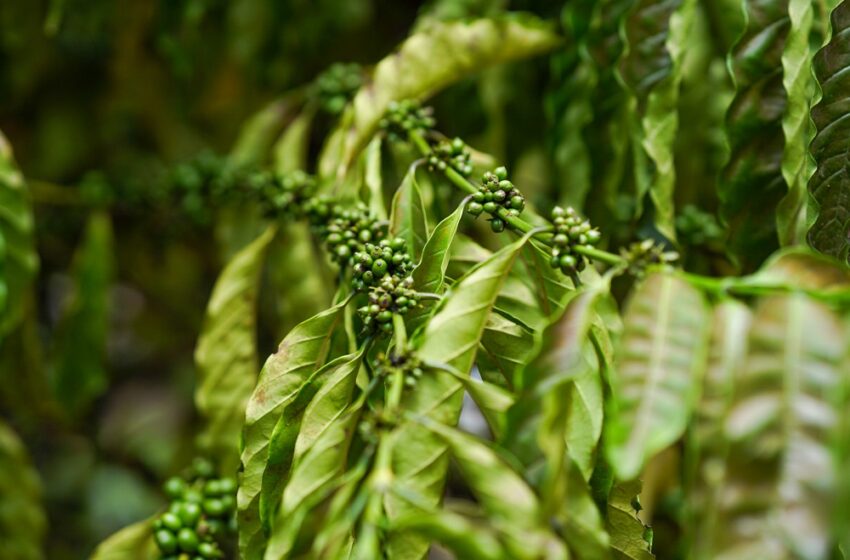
<point>336,86</point>
<point>285,194</point>
<point>402,117</point>
<point>200,515</point>
<point>696,227</point>
<point>571,231</point>
<point>407,362</point>
<point>374,262</point>
<point>495,193</point>
<point>451,154</point>
<point>394,294</point>
<point>349,230</point>
<point>646,253</point>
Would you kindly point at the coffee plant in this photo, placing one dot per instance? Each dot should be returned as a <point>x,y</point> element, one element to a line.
<point>570,282</point>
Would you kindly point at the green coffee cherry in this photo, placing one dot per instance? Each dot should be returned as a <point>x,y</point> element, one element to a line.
<point>374,262</point>
<point>451,154</point>
<point>166,541</point>
<point>187,540</point>
<point>336,86</point>
<point>643,254</point>
<point>385,366</point>
<point>202,510</point>
<point>571,232</point>
<point>392,294</point>
<point>496,193</point>
<point>403,117</point>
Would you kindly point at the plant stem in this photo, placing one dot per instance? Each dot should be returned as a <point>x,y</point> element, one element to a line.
<point>400,334</point>
<point>515,222</point>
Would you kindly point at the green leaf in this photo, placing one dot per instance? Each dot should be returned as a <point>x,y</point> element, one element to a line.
<point>226,353</point>
<point>627,531</point>
<point>429,274</point>
<point>781,477</point>
<point>503,493</point>
<point>830,185</point>
<point>408,217</point>
<point>18,258</point>
<point>582,522</point>
<point>801,269</point>
<point>557,420</point>
<point>80,373</point>
<point>23,523</point>
<point>322,462</point>
<point>322,398</point>
<point>658,371</point>
<point>295,273</point>
<point>290,150</point>
<point>258,134</point>
<point>451,336</point>
<point>455,531</point>
<point>709,447</point>
<point>752,184</point>
<point>799,83</point>
<point>134,542</point>
<point>653,71</point>
<point>373,179</point>
<point>303,351</point>
<point>433,59</point>
<point>492,400</point>
<point>505,349</point>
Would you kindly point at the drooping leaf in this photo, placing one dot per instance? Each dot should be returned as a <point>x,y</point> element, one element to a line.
<point>801,269</point>
<point>627,531</point>
<point>298,288</point>
<point>556,422</point>
<point>408,217</point>
<point>23,522</point>
<point>451,336</point>
<point>830,185</point>
<point>18,258</point>
<point>500,490</point>
<point>80,373</point>
<point>492,400</point>
<point>134,542</point>
<point>799,83</point>
<point>505,348</point>
<point>290,150</point>
<point>257,136</point>
<point>372,178</point>
<point>434,58</point>
<point>752,183</point>
<point>322,398</point>
<point>658,371</point>
<point>226,353</point>
<point>780,474</point>
<point>657,32</point>
<point>510,503</point>
<point>727,348</point>
<point>582,522</point>
<point>322,462</point>
<point>429,274</point>
<point>455,531</point>
<point>303,351</point>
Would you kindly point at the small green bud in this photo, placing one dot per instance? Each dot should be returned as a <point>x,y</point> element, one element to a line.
<point>497,225</point>
<point>187,540</point>
<point>166,541</point>
<point>474,208</point>
<point>490,207</point>
<point>501,173</point>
